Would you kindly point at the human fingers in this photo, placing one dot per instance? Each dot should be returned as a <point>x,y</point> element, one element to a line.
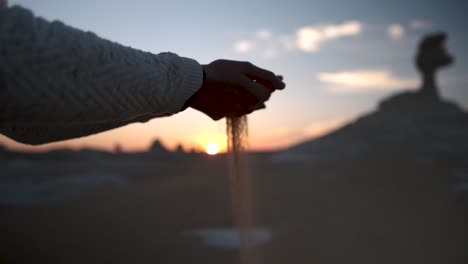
<point>257,89</point>
<point>257,107</point>
<point>265,77</point>
<point>215,117</point>
<point>243,114</point>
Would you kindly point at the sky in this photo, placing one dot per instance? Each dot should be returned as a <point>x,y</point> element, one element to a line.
<point>338,59</point>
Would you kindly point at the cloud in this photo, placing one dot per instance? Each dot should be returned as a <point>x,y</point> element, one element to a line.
<point>310,38</point>
<point>243,46</point>
<point>364,80</point>
<point>396,31</point>
<point>263,34</point>
<point>307,39</point>
<point>420,24</point>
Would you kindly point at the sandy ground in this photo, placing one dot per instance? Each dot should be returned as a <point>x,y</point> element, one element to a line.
<point>368,210</point>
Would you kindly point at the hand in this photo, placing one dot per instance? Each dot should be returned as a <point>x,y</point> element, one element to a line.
<point>233,88</point>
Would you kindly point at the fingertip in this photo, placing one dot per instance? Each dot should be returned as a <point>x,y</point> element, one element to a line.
<point>258,106</point>
<point>265,77</point>
<point>281,84</point>
<point>215,117</point>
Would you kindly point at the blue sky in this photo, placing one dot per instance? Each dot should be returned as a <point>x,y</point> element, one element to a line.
<point>317,45</point>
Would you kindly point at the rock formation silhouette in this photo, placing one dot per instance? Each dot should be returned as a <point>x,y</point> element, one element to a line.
<point>431,57</point>
<point>415,123</point>
<point>402,166</point>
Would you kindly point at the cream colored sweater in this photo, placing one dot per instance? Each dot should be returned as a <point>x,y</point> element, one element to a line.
<point>57,82</point>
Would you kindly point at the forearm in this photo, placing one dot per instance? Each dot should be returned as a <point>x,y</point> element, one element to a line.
<point>54,76</point>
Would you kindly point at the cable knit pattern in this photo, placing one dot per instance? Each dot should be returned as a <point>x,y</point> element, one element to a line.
<point>57,82</point>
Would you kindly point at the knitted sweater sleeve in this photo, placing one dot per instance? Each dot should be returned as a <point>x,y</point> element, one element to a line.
<point>57,82</point>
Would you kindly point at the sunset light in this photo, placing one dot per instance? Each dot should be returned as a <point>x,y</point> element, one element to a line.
<point>212,149</point>
<point>337,65</point>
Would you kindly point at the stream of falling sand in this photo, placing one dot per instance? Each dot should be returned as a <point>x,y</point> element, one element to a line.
<point>240,186</point>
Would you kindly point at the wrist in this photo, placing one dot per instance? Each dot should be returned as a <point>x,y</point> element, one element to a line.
<point>192,98</point>
<point>190,81</point>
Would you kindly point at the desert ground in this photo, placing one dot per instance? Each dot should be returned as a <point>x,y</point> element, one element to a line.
<point>374,209</point>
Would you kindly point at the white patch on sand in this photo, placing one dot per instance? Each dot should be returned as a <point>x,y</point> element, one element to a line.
<point>229,238</point>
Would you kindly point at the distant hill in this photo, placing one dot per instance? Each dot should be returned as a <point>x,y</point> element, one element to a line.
<point>416,124</point>
<point>407,123</point>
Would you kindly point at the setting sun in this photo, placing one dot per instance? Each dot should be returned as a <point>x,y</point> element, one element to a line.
<point>211,143</point>
<point>212,149</point>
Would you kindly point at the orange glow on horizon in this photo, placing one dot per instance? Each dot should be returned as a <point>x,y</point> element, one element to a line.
<point>139,137</point>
